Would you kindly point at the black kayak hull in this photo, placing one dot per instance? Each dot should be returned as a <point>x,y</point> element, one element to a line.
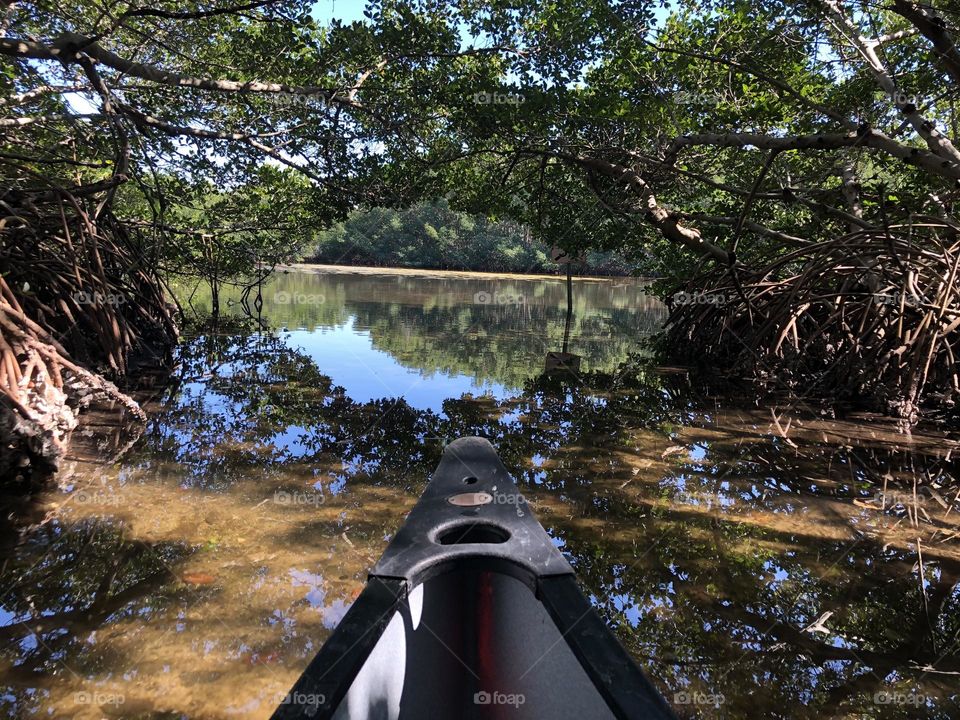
<point>472,612</point>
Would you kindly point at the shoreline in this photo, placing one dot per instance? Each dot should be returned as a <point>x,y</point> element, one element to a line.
<point>465,274</point>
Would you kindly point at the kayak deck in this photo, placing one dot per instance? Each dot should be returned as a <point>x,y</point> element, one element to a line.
<point>472,612</point>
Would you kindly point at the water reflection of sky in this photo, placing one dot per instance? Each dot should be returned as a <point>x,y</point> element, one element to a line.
<point>348,357</point>
<point>707,543</point>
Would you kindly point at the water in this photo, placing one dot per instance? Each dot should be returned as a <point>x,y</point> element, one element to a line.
<point>747,556</point>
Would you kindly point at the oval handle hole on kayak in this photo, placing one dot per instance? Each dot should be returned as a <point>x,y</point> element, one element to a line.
<point>470,499</point>
<point>469,480</point>
<point>473,532</point>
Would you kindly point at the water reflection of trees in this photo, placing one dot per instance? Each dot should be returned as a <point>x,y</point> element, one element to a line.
<point>437,324</point>
<point>715,607</point>
<point>716,602</point>
<point>247,399</point>
<point>708,603</point>
<point>65,586</point>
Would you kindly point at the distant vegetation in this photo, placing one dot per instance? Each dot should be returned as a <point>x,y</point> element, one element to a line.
<point>432,235</point>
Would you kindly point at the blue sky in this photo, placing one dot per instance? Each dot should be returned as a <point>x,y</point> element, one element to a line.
<point>346,10</point>
<point>350,10</point>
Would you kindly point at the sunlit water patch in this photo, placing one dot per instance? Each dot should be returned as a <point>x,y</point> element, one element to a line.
<point>756,564</point>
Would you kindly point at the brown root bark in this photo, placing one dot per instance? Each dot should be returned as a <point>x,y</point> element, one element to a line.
<point>872,317</point>
<point>78,307</point>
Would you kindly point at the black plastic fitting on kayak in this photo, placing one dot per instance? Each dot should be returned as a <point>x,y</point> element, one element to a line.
<point>471,509</point>
<point>472,613</point>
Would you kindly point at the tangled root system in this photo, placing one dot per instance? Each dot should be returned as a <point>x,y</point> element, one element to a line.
<point>871,317</point>
<point>78,307</point>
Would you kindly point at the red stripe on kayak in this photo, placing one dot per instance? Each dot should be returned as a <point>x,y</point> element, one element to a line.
<point>486,650</point>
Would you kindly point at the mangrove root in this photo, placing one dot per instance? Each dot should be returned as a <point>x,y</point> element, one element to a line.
<point>871,317</point>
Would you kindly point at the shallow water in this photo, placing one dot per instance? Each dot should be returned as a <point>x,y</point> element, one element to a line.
<point>747,556</point>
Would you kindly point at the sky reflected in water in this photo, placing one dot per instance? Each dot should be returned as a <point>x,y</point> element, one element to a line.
<point>194,570</point>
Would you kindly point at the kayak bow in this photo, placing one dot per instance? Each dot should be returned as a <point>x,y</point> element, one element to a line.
<point>472,613</point>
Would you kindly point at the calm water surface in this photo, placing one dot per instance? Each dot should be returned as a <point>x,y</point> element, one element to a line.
<point>757,561</point>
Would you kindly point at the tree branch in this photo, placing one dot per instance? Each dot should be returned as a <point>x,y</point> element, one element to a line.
<point>865,136</point>
<point>69,46</point>
<point>749,225</point>
<point>658,216</point>
<point>937,142</point>
<point>933,29</point>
